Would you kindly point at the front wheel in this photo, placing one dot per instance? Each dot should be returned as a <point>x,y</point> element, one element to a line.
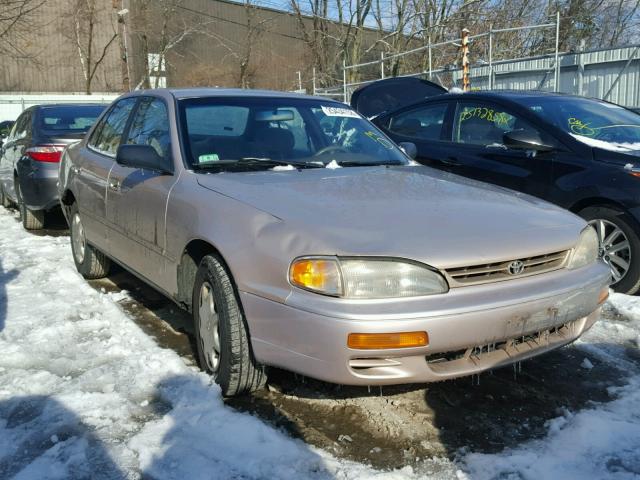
<point>222,338</point>
<point>619,246</point>
<point>90,262</point>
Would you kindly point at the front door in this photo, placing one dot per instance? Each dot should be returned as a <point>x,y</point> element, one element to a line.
<point>479,151</point>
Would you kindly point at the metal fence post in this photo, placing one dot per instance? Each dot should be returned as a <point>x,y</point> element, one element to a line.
<point>557,73</point>
<point>314,80</point>
<point>344,80</point>
<point>490,57</point>
<point>430,66</point>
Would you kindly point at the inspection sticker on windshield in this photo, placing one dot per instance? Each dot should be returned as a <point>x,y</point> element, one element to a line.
<point>339,112</point>
<point>208,158</point>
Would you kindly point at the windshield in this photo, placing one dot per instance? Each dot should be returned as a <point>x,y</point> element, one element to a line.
<point>595,123</point>
<point>68,119</point>
<point>240,133</point>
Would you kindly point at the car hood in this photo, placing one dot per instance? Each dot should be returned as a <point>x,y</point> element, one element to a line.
<point>410,212</point>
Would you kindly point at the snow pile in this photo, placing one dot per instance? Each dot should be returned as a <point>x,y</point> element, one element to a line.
<point>601,442</point>
<point>85,393</point>
<point>612,146</point>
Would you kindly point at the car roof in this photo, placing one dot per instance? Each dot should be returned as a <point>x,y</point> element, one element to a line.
<point>181,93</point>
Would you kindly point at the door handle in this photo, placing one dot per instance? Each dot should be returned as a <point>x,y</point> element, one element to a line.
<point>76,170</point>
<point>451,161</point>
<point>114,185</point>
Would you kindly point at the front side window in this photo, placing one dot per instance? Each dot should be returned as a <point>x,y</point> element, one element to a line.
<point>593,122</point>
<point>424,123</point>
<point>485,124</point>
<point>67,119</point>
<point>107,135</point>
<point>150,126</point>
<point>238,133</point>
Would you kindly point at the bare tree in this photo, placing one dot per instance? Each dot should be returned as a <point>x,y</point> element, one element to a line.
<point>87,19</point>
<point>16,20</point>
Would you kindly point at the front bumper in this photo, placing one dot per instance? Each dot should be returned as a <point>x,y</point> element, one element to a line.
<point>471,329</point>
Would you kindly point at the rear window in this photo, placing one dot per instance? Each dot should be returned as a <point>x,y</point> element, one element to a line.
<point>68,119</point>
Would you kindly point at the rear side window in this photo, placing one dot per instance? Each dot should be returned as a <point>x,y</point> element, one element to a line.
<point>424,123</point>
<point>107,135</point>
<point>150,126</point>
<point>217,120</point>
<point>67,119</point>
<point>21,128</point>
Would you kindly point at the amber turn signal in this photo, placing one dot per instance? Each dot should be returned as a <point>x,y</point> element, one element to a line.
<point>372,341</point>
<point>604,294</point>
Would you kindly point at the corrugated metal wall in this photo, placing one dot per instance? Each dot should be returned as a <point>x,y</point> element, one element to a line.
<point>589,73</point>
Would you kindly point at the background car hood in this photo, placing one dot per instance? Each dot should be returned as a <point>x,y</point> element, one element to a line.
<point>411,212</point>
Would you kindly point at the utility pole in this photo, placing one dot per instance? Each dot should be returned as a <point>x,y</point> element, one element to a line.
<point>122,13</point>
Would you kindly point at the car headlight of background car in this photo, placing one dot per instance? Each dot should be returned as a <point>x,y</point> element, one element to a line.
<point>586,250</point>
<point>362,278</point>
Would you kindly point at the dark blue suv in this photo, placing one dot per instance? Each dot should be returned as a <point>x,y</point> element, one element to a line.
<point>31,153</point>
<point>582,154</point>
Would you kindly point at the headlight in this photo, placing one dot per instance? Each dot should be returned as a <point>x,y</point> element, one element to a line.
<point>365,277</point>
<point>586,250</point>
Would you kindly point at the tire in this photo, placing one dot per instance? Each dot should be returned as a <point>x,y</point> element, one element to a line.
<point>31,219</point>
<point>615,252</point>
<point>90,262</point>
<point>218,315</point>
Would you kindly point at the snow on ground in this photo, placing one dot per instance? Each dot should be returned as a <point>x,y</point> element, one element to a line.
<point>84,393</point>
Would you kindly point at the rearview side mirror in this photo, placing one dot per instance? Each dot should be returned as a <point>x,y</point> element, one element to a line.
<point>141,156</point>
<point>409,149</point>
<point>526,140</point>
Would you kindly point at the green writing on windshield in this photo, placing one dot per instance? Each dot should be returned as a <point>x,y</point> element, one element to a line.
<point>578,127</point>
<point>381,140</point>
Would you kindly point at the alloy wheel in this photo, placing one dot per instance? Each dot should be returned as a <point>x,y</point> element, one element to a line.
<point>615,248</point>
<point>209,327</point>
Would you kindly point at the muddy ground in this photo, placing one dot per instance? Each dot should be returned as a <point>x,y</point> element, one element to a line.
<point>392,427</point>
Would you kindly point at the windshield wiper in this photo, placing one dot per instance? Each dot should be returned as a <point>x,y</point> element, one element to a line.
<point>255,161</point>
<point>354,163</point>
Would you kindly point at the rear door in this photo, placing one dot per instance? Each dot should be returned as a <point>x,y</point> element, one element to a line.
<point>96,159</point>
<point>137,198</point>
<point>479,152</point>
<point>427,125</point>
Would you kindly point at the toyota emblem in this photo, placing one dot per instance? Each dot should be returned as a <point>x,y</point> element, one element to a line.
<point>516,267</point>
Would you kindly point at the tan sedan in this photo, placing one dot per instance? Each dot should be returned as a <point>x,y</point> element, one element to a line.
<point>301,237</point>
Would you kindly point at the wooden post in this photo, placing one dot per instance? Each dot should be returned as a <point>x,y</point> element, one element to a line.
<point>466,83</point>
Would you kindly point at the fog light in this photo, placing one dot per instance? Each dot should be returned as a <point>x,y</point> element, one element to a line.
<point>372,341</point>
<point>604,294</point>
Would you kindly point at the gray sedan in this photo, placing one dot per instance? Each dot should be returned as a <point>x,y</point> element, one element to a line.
<point>300,236</point>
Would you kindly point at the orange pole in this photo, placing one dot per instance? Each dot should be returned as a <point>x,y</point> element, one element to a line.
<point>466,83</point>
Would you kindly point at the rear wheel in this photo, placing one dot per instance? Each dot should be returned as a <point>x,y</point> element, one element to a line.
<point>619,246</point>
<point>90,262</point>
<point>222,338</point>
<point>31,219</point>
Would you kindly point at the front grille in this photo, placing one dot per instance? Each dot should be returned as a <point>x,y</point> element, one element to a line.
<point>500,271</point>
<point>510,347</point>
